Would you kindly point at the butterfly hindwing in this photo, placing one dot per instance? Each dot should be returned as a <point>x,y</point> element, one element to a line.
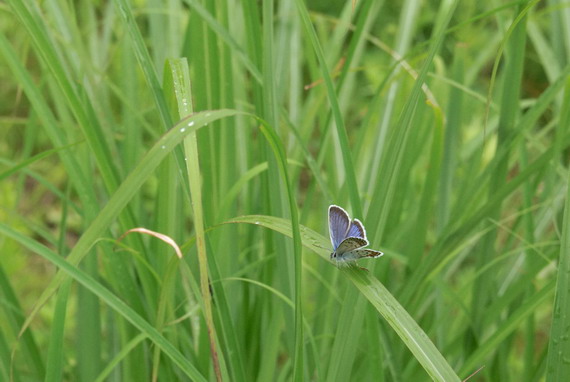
<point>338,225</point>
<point>356,229</point>
<point>360,253</point>
<point>350,244</point>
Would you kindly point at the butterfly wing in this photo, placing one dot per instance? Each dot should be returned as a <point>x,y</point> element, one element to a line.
<point>338,225</point>
<point>350,244</point>
<point>356,229</point>
<point>360,253</point>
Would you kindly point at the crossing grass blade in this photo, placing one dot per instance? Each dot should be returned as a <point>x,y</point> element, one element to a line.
<point>557,366</point>
<point>444,128</point>
<point>335,107</point>
<point>110,299</point>
<point>390,309</point>
<point>123,195</point>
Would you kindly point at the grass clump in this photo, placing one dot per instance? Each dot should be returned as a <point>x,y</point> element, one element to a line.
<point>230,127</point>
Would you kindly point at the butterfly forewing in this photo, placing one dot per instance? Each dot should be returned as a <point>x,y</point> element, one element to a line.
<point>350,244</point>
<point>356,229</point>
<point>338,225</point>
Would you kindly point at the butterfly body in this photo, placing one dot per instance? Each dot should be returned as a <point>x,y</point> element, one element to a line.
<point>348,237</point>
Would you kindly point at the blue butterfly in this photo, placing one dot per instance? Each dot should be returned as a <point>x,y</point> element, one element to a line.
<point>348,237</point>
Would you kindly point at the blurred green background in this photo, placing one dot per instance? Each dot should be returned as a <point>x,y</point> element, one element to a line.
<point>443,126</point>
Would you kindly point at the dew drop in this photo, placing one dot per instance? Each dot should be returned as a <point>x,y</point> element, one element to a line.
<point>182,129</point>
<point>191,123</point>
<point>163,147</point>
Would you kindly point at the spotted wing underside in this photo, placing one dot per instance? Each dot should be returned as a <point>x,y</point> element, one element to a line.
<point>350,244</point>
<point>361,253</point>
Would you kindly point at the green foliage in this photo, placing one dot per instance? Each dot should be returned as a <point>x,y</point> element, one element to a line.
<point>443,126</point>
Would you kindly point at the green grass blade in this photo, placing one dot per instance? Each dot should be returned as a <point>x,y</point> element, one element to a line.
<point>181,84</point>
<point>124,194</point>
<point>390,168</point>
<point>484,287</point>
<point>109,298</point>
<point>92,131</point>
<point>226,37</point>
<point>435,124</point>
<point>119,357</point>
<point>403,324</point>
<point>478,357</point>
<point>558,367</point>
<point>14,317</point>
<point>55,356</point>
<point>145,61</point>
<point>281,157</point>
<point>353,193</point>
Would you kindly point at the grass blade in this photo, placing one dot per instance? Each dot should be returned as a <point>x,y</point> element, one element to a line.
<point>181,84</point>
<point>558,367</point>
<point>403,324</point>
<point>109,298</point>
<point>124,194</point>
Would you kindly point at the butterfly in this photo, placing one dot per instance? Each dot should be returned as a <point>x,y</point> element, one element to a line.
<point>348,237</point>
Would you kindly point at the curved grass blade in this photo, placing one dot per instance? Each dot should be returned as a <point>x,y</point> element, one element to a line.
<point>125,193</point>
<point>403,324</point>
<point>109,298</point>
<point>143,171</point>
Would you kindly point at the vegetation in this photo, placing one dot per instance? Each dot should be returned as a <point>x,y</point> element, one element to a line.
<point>225,129</point>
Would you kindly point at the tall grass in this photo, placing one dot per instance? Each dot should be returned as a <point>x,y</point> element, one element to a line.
<point>230,127</point>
